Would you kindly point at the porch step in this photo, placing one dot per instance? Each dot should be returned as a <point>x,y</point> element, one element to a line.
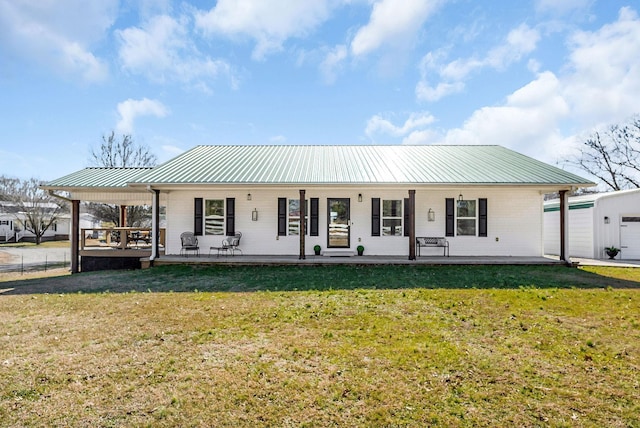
<point>338,253</point>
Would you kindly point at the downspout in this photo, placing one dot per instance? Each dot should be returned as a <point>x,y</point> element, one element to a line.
<point>303,213</point>
<point>155,235</point>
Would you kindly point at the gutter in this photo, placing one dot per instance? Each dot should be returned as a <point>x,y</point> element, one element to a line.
<point>64,198</point>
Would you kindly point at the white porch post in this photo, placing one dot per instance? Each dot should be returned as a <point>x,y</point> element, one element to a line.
<point>155,220</point>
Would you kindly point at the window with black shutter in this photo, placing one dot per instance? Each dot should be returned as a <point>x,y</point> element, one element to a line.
<point>231,216</point>
<point>450,217</point>
<point>197,217</point>
<point>375,216</point>
<point>482,220</point>
<point>314,215</point>
<point>282,216</point>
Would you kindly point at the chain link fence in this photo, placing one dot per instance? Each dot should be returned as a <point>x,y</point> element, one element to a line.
<point>24,260</point>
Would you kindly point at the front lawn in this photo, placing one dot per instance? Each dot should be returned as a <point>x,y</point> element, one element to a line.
<point>322,346</point>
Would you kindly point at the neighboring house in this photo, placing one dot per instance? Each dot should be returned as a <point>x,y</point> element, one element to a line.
<point>486,200</point>
<point>596,221</point>
<point>12,225</point>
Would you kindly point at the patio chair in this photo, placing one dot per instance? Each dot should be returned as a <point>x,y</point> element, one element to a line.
<point>225,247</point>
<point>189,243</point>
<point>235,243</point>
<point>229,244</point>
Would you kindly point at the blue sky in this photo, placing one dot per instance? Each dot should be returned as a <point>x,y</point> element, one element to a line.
<point>534,76</point>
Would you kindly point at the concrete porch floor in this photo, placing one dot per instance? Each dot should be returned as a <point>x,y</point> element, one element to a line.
<point>355,260</point>
<point>312,260</point>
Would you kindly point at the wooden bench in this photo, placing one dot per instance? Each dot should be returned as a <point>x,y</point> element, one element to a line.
<point>430,241</point>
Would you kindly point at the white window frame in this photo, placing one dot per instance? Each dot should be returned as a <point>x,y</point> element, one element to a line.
<point>293,222</point>
<point>466,218</point>
<point>213,229</point>
<point>384,217</point>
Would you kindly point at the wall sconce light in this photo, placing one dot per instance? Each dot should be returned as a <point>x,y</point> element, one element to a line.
<point>431,215</point>
<point>254,215</point>
<point>606,220</point>
<point>248,196</point>
<point>359,197</point>
<point>460,198</point>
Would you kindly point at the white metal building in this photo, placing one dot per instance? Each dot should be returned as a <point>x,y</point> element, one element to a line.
<point>597,221</point>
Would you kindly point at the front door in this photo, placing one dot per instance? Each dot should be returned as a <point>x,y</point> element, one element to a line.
<point>338,218</point>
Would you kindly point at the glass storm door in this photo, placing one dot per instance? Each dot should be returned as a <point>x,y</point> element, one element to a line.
<point>338,217</point>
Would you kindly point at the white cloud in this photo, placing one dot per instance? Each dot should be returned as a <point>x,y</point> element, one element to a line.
<point>268,23</point>
<point>546,118</point>
<point>58,34</point>
<point>278,139</point>
<point>562,7</point>
<point>378,125</point>
<point>162,50</point>
<point>527,122</point>
<point>429,93</point>
<point>332,63</point>
<point>392,22</point>
<point>520,41</point>
<point>170,151</point>
<point>130,109</point>
<point>603,81</point>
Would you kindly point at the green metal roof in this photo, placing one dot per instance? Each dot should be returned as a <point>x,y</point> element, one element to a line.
<point>428,164</point>
<point>102,178</point>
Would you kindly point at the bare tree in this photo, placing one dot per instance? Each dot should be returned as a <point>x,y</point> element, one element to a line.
<point>8,187</point>
<point>122,152</point>
<point>613,155</point>
<point>33,208</point>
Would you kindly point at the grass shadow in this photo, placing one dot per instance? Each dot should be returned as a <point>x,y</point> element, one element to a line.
<point>184,278</point>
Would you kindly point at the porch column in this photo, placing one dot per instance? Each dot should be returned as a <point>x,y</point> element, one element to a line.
<point>564,226</point>
<point>75,235</point>
<point>155,225</point>
<point>302,255</point>
<point>123,216</point>
<point>412,225</point>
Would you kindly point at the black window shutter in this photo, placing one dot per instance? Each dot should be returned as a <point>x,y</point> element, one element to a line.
<point>406,217</point>
<point>282,216</point>
<point>450,217</point>
<point>197,217</point>
<point>314,216</point>
<point>231,216</point>
<point>375,216</point>
<point>482,224</point>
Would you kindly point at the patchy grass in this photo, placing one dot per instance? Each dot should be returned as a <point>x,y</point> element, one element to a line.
<point>336,352</point>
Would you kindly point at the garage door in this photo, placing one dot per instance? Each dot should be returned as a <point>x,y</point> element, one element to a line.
<point>630,237</point>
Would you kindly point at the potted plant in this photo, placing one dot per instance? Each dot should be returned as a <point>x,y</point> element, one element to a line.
<point>360,250</point>
<point>316,249</point>
<point>611,251</point>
